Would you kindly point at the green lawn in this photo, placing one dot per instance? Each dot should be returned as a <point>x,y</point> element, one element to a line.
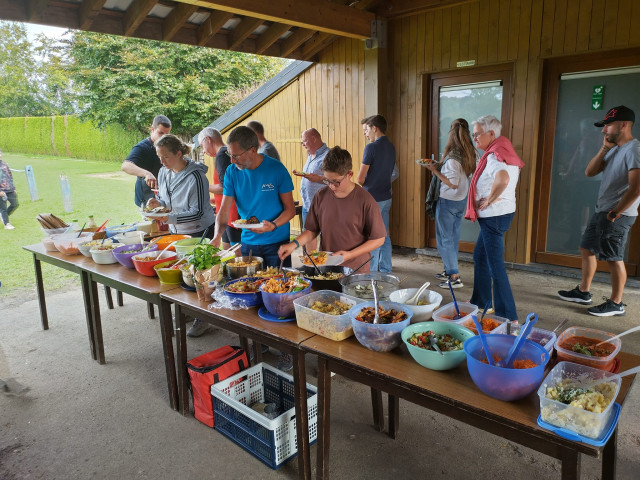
<point>97,188</point>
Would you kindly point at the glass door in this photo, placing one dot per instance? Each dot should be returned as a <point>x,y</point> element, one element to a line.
<point>465,96</point>
<point>578,97</point>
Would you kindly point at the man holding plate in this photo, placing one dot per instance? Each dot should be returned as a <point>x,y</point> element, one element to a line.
<point>262,188</point>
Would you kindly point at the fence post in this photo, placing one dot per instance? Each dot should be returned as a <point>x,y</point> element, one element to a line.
<point>31,182</point>
<point>66,193</point>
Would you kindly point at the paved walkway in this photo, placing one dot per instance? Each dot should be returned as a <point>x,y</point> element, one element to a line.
<point>82,420</point>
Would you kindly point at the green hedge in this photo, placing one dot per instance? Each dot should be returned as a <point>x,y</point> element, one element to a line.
<point>66,137</point>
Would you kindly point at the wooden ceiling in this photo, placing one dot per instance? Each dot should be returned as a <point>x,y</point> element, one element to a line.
<point>297,29</point>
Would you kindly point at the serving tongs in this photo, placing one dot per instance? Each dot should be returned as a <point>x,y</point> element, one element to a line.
<point>355,270</point>
<point>304,250</point>
<point>374,285</point>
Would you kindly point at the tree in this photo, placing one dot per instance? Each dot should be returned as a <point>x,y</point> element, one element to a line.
<point>128,81</point>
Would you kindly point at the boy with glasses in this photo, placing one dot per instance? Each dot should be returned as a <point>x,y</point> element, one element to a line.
<point>345,213</point>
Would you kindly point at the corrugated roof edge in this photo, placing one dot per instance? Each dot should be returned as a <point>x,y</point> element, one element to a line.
<point>257,98</point>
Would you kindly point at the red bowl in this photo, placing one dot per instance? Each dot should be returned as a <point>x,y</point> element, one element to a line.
<point>146,267</point>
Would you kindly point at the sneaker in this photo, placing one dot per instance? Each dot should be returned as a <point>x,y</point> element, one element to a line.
<point>442,276</point>
<point>8,226</point>
<point>285,362</point>
<point>197,329</point>
<point>457,283</point>
<point>607,309</point>
<point>575,295</point>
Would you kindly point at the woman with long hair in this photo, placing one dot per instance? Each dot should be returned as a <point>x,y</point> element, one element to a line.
<point>457,164</point>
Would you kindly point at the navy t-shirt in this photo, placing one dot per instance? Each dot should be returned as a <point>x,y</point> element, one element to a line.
<point>381,158</point>
<point>144,155</point>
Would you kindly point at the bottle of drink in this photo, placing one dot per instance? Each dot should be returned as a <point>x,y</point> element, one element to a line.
<point>91,223</point>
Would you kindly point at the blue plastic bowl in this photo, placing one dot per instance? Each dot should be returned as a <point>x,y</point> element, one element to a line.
<point>249,299</point>
<point>505,383</point>
<point>430,358</point>
<point>116,229</point>
<point>125,258</point>
<point>281,304</point>
<point>379,337</point>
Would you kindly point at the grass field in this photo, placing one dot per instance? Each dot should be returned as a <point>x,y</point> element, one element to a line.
<point>97,188</point>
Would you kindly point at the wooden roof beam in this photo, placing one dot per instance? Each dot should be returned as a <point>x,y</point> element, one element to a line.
<point>135,15</point>
<point>243,30</point>
<point>404,8</point>
<point>88,12</point>
<point>317,15</point>
<point>316,44</point>
<point>270,36</point>
<point>36,10</point>
<point>176,19</point>
<point>212,25</point>
<point>296,39</point>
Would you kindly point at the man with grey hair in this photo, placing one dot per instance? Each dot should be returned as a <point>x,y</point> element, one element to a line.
<point>312,176</point>
<point>143,161</point>
<point>266,147</point>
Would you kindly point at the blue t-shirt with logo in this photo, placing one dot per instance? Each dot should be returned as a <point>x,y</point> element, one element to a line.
<point>257,193</point>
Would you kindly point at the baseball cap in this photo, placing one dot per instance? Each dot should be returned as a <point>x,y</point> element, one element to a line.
<point>617,114</point>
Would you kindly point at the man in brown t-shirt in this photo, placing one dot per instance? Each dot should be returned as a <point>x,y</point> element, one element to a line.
<point>345,213</point>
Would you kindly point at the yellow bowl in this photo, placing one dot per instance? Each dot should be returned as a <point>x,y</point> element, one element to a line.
<point>171,276</point>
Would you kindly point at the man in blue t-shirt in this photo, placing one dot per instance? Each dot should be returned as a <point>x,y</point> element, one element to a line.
<point>376,174</point>
<point>143,162</point>
<point>261,187</point>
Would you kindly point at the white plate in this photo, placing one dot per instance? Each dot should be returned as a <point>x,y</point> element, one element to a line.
<point>419,162</point>
<point>332,260</point>
<point>249,226</point>
<point>156,215</point>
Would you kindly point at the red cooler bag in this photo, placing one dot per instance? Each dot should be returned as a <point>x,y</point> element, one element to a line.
<point>211,368</point>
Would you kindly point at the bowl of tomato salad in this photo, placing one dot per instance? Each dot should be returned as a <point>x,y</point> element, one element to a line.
<point>578,345</point>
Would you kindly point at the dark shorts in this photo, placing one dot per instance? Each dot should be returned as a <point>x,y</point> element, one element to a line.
<point>232,235</point>
<point>607,240</point>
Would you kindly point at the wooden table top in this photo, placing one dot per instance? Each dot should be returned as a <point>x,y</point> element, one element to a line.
<point>283,331</point>
<point>115,272</point>
<point>452,386</point>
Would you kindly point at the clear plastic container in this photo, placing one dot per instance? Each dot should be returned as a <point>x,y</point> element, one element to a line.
<point>333,327</point>
<point>602,363</point>
<point>488,318</point>
<point>574,418</point>
<point>541,336</point>
<point>446,313</point>
<point>68,243</point>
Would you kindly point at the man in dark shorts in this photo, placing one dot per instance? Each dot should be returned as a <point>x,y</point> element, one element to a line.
<point>616,210</point>
<point>214,146</point>
<point>143,162</point>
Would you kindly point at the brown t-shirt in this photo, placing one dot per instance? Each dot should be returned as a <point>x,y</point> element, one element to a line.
<point>346,223</point>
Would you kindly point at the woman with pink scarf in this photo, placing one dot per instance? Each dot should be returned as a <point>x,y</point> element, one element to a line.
<point>492,201</point>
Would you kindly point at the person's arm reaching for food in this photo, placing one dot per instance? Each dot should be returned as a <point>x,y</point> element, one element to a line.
<point>132,169</point>
<point>221,220</point>
<point>287,249</point>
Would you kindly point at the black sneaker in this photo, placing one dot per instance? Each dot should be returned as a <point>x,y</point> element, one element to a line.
<point>457,283</point>
<point>575,295</point>
<point>442,276</point>
<point>607,309</point>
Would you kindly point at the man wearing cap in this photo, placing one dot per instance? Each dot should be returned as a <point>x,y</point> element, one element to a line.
<point>616,210</point>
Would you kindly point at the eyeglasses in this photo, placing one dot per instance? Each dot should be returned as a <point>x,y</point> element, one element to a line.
<point>235,156</point>
<point>476,135</point>
<point>335,183</point>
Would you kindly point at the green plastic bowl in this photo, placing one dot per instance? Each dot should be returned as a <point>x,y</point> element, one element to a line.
<point>429,358</point>
<point>187,245</point>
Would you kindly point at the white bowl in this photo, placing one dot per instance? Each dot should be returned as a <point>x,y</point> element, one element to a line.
<point>104,257</point>
<point>421,313</point>
<point>129,238</point>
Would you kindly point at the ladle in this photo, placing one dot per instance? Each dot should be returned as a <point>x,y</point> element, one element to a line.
<point>413,300</point>
<point>532,318</point>
<point>483,339</point>
<point>619,335</point>
<point>457,316</point>
<point>374,285</point>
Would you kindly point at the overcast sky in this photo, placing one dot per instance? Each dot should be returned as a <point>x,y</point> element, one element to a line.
<point>33,30</point>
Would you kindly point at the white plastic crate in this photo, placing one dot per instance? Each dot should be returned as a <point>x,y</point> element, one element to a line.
<point>271,441</point>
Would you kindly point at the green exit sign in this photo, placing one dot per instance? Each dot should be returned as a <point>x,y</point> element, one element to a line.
<point>596,97</point>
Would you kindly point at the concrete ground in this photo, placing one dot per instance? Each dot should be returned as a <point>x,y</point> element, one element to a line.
<point>84,420</point>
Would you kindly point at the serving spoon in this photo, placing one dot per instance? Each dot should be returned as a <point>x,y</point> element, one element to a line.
<point>457,316</point>
<point>619,335</point>
<point>483,339</point>
<point>413,300</point>
<point>374,285</point>
<point>165,249</point>
<point>532,318</point>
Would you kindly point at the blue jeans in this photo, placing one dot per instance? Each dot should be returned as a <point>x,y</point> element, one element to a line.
<point>269,253</point>
<point>448,222</point>
<point>489,269</point>
<point>381,257</point>
<point>305,212</point>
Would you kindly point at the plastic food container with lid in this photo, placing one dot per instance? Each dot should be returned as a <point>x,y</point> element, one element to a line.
<point>489,319</point>
<point>447,312</point>
<point>543,337</point>
<point>333,327</point>
<point>576,418</point>
<point>602,363</point>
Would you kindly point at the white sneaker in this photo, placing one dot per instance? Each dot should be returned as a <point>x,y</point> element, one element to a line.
<point>8,226</point>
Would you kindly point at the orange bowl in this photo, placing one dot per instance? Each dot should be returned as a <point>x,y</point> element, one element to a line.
<point>167,239</point>
<point>145,267</point>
